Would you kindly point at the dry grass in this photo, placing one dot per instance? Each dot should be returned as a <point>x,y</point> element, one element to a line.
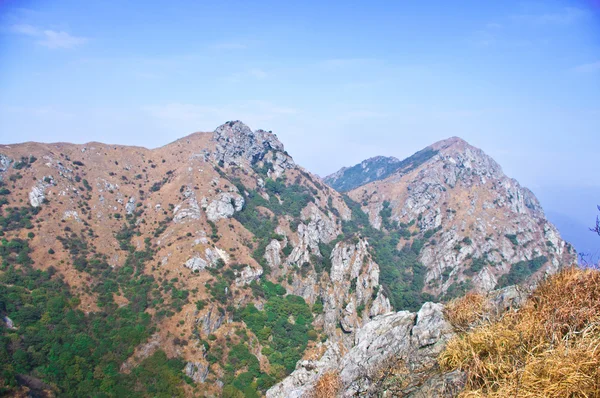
<point>465,312</point>
<point>327,386</point>
<point>549,348</point>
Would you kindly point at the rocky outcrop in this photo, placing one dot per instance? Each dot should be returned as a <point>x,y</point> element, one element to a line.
<point>197,371</point>
<point>189,209</point>
<point>38,191</point>
<point>196,263</point>
<point>413,340</point>
<point>348,297</point>
<point>317,227</point>
<point>130,205</point>
<point>5,163</point>
<point>8,322</point>
<point>224,206</point>
<point>212,320</point>
<point>247,275</point>
<point>237,144</point>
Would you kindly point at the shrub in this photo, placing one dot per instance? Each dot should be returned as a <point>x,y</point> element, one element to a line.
<point>512,238</point>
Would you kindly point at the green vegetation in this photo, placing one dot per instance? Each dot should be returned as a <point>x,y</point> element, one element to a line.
<point>283,329</point>
<point>286,340</point>
<point>477,265</point>
<point>80,354</point>
<point>15,218</point>
<point>519,272</point>
<point>402,275</point>
<point>512,238</point>
<point>283,200</point>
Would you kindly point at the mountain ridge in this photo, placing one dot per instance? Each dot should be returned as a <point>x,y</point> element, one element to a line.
<point>207,242</point>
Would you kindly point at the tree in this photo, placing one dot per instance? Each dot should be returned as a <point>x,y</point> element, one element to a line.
<point>596,229</point>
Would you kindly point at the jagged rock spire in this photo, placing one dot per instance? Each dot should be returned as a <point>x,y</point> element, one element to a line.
<point>237,142</point>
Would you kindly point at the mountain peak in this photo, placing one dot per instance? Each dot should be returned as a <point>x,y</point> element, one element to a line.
<point>235,126</point>
<point>456,142</point>
<point>237,142</point>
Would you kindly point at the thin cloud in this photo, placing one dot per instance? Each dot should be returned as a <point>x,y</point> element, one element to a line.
<point>564,17</point>
<point>251,74</point>
<point>338,63</point>
<point>49,38</point>
<point>588,68</point>
<point>258,73</point>
<point>230,45</point>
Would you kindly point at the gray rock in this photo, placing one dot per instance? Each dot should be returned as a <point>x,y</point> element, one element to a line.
<point>212,320</point>
<point>5,162</point>
<point>8,322</point>
<point>196,263</point>
<point>38,191</point>
<point>237,144</point>
<point>415,339</point>
<point>224,206</point>
<point>188,209</point>
<point>198,371</point>
<point>247,275</point>
<point>130,205</point>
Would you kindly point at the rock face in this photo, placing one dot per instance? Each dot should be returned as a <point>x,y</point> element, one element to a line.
<point>198,371</point>
<point>236,143</point>
<point>403,337</point>
<point>37,193</point>
<point>196,263</point>
<point>224,206</point>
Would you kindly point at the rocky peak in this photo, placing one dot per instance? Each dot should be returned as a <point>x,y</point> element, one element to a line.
<point>236,142</point>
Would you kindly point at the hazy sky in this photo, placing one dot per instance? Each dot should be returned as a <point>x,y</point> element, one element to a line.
<point>338,82</point>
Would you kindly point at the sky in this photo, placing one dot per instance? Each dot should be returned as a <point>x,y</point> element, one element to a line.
<point>337,82</point>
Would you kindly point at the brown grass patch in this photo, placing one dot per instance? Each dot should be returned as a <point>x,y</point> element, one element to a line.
<point>467,311</point>
<point>549,348</point>
<point>327,386</point>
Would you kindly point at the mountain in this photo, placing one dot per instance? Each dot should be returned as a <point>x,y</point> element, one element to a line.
<point>216,264</point>
<point>348,178</point>
<point>478,228</point>
<point>373,169</point>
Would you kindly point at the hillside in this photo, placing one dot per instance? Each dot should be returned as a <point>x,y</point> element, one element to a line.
<point>481,229</point>
<point>219,252</point>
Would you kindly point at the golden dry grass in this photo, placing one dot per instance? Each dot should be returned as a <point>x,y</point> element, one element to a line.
<point>327,386</point>
<point>549,348</point>
<point>467,311</point>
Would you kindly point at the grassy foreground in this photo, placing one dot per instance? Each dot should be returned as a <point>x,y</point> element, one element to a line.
<point>550,347</point>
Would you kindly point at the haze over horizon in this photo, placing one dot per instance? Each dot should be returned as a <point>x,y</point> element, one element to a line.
<point>338,82</point>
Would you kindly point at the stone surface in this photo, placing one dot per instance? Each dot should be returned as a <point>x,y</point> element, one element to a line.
<point>224,206</point>
<point>236,143</point>
<point>198,371</point>
<point>196,263</point>
<point>416,339</point>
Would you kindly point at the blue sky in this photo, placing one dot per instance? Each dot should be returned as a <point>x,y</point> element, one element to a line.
<point>338,82</point>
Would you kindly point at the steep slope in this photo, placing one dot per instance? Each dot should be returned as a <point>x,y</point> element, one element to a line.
<point>477,228</point>
<point>216,249</point>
